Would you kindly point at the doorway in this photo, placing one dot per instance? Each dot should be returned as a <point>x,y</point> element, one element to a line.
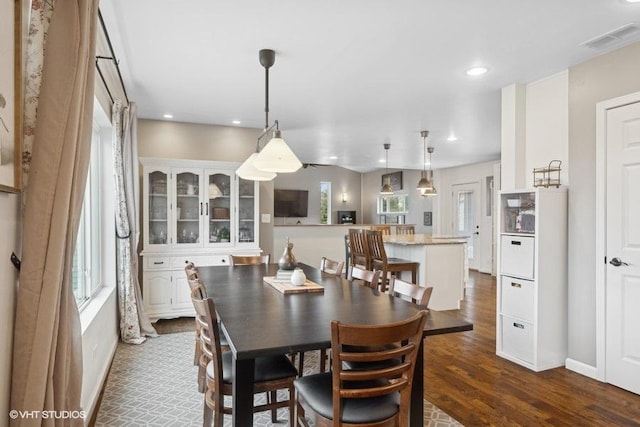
<point>618,284</point>
<point>467,218</point>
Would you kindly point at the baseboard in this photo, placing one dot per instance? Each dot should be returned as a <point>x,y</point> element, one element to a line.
<point>582,368</point>
<point>97,394</point>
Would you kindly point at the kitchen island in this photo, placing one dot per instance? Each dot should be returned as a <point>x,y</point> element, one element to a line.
<point>443,264</point>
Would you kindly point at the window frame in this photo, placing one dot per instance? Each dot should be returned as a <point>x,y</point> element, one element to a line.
<point>402,202</point>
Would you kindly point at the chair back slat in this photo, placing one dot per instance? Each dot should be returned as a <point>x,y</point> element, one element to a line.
<point>369,278</point>
<point>384,229</point>
<point>359,248</point>
<point>416,294</point>
<point>249,259</point>
<point>395,340</point>
<point>405,229</point>
<point>330,266</point>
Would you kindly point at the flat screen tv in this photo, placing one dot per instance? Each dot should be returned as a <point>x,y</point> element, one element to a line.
<point>290,203</point>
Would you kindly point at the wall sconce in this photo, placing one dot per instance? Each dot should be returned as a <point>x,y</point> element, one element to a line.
<point>344,197</point>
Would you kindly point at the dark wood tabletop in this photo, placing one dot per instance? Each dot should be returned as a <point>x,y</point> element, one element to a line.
<point>260,320</point>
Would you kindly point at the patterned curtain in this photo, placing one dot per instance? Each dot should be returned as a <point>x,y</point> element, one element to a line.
<point>134,323</point>
<point>41,12</point>
<point>47,340</point>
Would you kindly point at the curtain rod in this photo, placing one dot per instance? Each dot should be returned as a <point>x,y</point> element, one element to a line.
<point>111,58</point>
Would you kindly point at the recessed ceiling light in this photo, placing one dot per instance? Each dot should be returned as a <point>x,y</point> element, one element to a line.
<point>168,116</point>
<point>476,71</point>
<point>236,122</point>
<point>633,1</point>
<point>452,138</point>
<point>381,161</point>
<point>333,157</point>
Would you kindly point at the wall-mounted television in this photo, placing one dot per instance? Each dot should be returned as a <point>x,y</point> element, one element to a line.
<point>290,203</point>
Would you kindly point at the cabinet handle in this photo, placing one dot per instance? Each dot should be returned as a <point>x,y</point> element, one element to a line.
<point>200,208</point>
<point>516,242</point>
<point>516,285</point>
<point>207,212</point>
<point>518,325</point>
<point>158,262</point>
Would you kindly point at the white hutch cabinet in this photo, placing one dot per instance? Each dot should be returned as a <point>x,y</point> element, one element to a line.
<point>532,278</point>
<point>195,211</point>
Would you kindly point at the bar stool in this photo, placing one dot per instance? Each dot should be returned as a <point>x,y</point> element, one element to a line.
<point>379,260</point>
<point>405,229</point>
<point>384,229</point>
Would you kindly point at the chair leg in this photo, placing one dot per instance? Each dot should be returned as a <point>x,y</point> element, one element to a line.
<point>273,394</point>
<point>301,364</point>
<point>197,352</point>
<point>292,407</point>
<point>207,415</point>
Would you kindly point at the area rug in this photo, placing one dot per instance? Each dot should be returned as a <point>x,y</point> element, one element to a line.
<point>154,384</point>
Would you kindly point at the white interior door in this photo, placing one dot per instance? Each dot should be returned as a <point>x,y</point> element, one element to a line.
<point>467,218</point>
<point>623,247</point>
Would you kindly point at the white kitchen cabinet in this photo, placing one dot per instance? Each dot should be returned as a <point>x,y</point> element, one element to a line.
<point>531,315</point>
<point>195,211</point>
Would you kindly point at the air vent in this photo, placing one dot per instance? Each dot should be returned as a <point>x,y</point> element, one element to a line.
<point>625,32</point>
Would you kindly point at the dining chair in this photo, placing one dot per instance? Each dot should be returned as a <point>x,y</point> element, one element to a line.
<point>384,229</point>
<point>249,259</point>
<point>359,248</point>
<point>419,295</point>
<point>332,267</point>
<point>369,278</point>
<point>405,229</point>
<point>379,260</point>
<point>272,373</point>
<point>365,397</point>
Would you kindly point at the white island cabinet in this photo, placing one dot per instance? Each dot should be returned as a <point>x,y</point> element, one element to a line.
<point>532,283</point>
<point>195,211</point>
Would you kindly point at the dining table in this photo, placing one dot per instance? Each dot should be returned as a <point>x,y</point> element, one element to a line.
<point>260,320</point>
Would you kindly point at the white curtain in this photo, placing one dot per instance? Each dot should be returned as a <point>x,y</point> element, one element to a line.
<point>134,322</point>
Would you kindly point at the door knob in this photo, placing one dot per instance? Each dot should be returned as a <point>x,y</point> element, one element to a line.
<point>617,262</point>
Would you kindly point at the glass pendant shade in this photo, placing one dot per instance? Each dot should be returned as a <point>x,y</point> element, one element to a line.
<point>249,172</point>
<point>424,183</point>
<point>386,188</point>
<point>277,157</point>
<point>430,190</point>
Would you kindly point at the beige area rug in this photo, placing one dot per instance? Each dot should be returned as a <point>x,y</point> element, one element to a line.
<point>154,384</point>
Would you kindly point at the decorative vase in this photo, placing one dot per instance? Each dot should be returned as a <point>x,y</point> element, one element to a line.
<point>287,261</point>
<point>298,277</point>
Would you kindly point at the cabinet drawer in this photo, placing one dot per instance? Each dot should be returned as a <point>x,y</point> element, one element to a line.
<point>200,260</point>
<point>517,256</point>
<point>517,297</point>
<point>157,263</point>
<point>517,338</point>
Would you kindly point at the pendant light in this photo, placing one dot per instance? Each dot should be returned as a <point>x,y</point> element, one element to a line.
<point>386,186</point>
<point>431,189</point>
<point>423,184</point>
<point>276,156</point>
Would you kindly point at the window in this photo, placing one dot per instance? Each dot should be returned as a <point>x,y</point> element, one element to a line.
<point>86,275</point>
<point>396,204</point>
<point>325,203</point>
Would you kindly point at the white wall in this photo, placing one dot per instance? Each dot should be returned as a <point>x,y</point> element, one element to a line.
<point>11,232</point>
<point>342,181</point>
<point>547,125</point>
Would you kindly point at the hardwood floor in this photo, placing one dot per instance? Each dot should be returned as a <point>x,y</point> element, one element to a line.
<point>465,378</point>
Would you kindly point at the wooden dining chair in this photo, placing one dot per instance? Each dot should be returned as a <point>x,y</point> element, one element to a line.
<point>272,373</point>
<point>388,265</point>
<point>405,229</point>
<point>359,250</point>
<point>419,295</point>
<point>384,229</point>
<point>369,278</point>
<point>364,397</point>
<point>332,267</point>
<point>249,259</point>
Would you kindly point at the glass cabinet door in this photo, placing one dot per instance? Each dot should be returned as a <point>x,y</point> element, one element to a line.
<point>158,208</point>
<point>219,208</point>
<point>246,211</point>
<point>188,208</point>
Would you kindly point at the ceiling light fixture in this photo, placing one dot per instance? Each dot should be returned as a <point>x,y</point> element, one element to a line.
<point>431,189</point>
<point>452,138</point>
<point>168,116</point>
<point>476,71</point>
<point>236,122</point>
<point>386,187</point>
<point>276,156</point>
<point>424,183</point>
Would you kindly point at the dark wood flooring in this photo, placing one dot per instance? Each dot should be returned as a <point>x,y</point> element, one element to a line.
<point>465,378</point>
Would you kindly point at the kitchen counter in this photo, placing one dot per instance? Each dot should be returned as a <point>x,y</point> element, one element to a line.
<point>423,239</point>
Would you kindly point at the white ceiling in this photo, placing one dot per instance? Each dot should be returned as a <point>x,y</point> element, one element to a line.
<point>351,75</point>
